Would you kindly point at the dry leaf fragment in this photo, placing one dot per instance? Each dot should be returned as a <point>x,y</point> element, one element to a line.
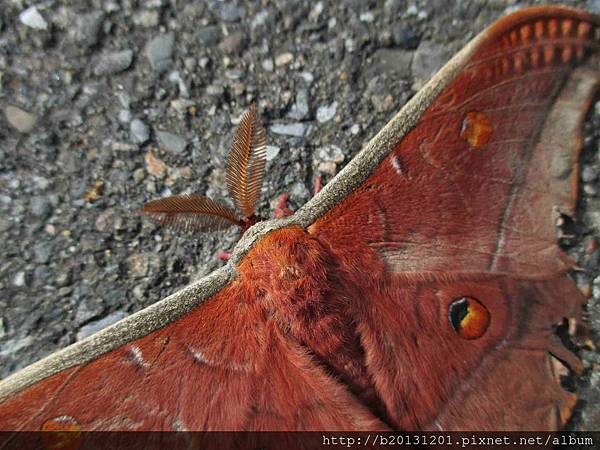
<point>155,166</point>
<point>95,192</point>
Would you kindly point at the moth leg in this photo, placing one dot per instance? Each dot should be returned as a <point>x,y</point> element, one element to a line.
<point>318,184</point>
<point>282,210</point>
<point>224,256</point>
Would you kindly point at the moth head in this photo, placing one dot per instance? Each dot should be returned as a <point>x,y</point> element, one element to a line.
<point>290,268</point>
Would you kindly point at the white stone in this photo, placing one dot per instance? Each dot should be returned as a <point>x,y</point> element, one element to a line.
<point>326,113</point>
<point>32,18</point>
<point>272,152</point>
<point>19,279</point>
<point>284,59</point>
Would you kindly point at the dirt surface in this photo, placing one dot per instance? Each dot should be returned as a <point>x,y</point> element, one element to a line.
<point>108,104</point>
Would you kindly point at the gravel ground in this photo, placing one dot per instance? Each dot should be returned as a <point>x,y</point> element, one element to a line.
<point>108,104</point>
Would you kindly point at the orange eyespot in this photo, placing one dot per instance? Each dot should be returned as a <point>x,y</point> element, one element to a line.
<point>64,433</point>
<point>476,129</point>
<point>469,318</point>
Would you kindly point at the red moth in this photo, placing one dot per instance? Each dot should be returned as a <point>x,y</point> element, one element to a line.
<point>418,290</point>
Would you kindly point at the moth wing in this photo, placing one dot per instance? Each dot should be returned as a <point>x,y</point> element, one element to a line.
<point>465,205</point>
<point>223,366</point>
<point>483,178</point>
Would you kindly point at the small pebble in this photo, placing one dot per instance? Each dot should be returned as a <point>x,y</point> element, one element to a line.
<point>94,192</point>
<point>382,103</point>
<point>41,183</point>
<point>230,12</point>
<point>88,307</point>
<point>588,174</point>
<point>291,129</point>
<point>215,90</point>
<point>12,346</point>
<point>5,224</point>
<point>234,74</point>
<point>123,147</point>
<point>308,77</point>
<point>331,153</point>
<point>146,19</point>
<point>284,59</point>
<point>138,131</point>
<point>19,119</point>
<point>112,63</point>
<point>124,116</point>
<point>137,265</point>
<point>272,152</point>
<point>391,62</point>
<point>267,64</point>
<point>159,52</point>
<point>183,105</point>
<point>326,113</point>
<point>150,186</point>
<point>86,29</point>
<point>404,37</point>
<point>590,189</point>
<point>328,167</point>
<point>42,252</point>
<point>327,159</point>
<point>316,11</point>
<point>259,19</point>
<point>19,279</point>
<point>190,63</point>
<point>63,278</point>
<point>32,18</point>
<point>50,229</point>
<point>232,44</point>
<point>392,7</point>
<point>299,192</point>
<point>367,17</point>
<point>175,77</point>
<point>300,108</point>
<point>40,206</point>
<point>139,175</point>
<point>171,142</point>
<point>208,36</point>
<point>139,291</point>
<point>124,99</point>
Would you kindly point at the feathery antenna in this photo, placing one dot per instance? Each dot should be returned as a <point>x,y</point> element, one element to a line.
<point>246,162</point>
<point>245,173</point>
<point>190,213</point>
